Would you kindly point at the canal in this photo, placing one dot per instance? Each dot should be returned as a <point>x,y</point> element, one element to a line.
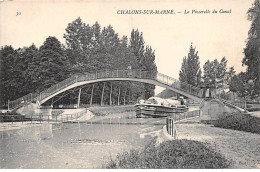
<point>76,145</point>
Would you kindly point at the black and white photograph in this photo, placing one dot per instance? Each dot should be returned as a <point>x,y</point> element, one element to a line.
<point>120,84</point>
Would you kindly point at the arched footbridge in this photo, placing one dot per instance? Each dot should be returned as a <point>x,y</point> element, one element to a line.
<point>149,77</point>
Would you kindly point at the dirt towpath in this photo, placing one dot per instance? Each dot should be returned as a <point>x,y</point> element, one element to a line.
<point>243,148</point>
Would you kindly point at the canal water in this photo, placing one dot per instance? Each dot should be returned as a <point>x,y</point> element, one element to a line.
<point>76,145</point>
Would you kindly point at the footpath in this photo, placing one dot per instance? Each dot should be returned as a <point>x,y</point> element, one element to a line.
<point>242,148</point>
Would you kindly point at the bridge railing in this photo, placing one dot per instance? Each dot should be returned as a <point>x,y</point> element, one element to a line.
<point>106,74</point>
<point>179,85</point>
<point>22,100</point>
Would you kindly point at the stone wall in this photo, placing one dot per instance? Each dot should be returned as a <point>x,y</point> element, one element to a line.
<point>212,109</point>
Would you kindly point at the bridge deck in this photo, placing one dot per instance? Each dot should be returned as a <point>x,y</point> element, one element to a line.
<point>149,77</point>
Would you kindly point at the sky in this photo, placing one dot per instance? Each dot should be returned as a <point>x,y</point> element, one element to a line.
<point>170,35</point>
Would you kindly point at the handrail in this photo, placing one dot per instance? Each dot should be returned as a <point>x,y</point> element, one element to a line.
<point>119,73</point>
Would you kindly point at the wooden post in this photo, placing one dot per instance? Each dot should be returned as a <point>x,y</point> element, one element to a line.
<point>79,98</point>
<point>110,95</point>
<point>118,99</point>
<point>91,98</point>
<point>102,96</point>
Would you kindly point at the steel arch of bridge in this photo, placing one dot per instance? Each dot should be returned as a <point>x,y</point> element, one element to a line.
<point>149,77</point>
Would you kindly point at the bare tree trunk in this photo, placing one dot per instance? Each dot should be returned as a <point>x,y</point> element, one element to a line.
<point>92,94</point>
<point>110,96</point>
<point>102,96</point>
<point>118,99</point>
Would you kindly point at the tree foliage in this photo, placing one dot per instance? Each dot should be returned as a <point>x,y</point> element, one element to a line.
<point>215,73</point>
<point>88,48</point>
<point>190,70</point>
<point>252,50</point>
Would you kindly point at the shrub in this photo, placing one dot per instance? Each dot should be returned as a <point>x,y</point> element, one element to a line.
<point>57,112</point>
<point>11,117</point>
<point>253,109</point>
<point>171,154</point>
<point>106,110</point>
<point>239,121</point>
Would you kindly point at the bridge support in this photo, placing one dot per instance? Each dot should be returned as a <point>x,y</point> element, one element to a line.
<point>79,98</point>
<point>213,109</point>
<point>102,96</point>
<point>110,96</point>
<point>118,98</point>
<point>91,98</point>
<point>8,105</point>
<point>124,97</point>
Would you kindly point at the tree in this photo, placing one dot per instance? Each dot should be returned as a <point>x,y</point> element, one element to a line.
<point>10,75</point>
<point>215,73</point>
<point>221,72</point>
<point>149,65</point>
<point>137,46</point>
<point>51,66</point>
<point>184,70</point>
<point>145,57</point>
<point>229,75</point>
<point>252,50</point>
<point>26,57</point>
<point>240,85</point>
<point>80,40</point>
<point>190,71</point>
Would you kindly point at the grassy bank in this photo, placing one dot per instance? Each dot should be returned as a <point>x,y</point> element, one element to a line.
<point>185,154</point>
<point>239,121</point>
<point>11,117</point>
<point>106,110</point>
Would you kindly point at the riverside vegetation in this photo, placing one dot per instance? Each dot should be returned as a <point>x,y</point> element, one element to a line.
<point>239,121</point>
<point>103,111</point>
<point>184,153</point>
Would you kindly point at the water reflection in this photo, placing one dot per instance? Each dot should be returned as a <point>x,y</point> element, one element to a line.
<point>75,145</point>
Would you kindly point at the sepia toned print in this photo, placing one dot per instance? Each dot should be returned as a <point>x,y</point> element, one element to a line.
<point>155,84</point>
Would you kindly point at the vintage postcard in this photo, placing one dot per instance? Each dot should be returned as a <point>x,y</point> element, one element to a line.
<point>120,84</point>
